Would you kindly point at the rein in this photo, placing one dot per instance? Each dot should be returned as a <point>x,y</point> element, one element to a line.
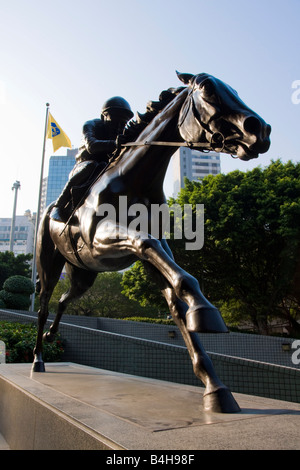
<point>209,146</point>
<point>216,144</point>
<point>169,144</point>
<point>154,142</point>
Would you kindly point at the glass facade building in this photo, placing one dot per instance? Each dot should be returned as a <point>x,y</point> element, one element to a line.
<point>58,174</point>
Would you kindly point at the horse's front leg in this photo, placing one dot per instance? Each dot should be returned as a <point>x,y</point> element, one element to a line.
<point>217,397</point>
<point>113,241</point>
<point>201,315</point>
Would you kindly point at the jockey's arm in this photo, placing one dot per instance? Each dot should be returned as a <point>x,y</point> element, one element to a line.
<point>94,145</point>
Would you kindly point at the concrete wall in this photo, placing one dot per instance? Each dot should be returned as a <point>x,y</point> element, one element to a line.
<point>167,358</point>
<point>267,349</point>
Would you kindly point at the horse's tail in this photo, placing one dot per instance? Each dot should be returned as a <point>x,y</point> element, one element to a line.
<point>43,234</point>
<point>44,245</point>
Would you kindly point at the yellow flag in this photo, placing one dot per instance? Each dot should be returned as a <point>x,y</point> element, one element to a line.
<point>58,136</point>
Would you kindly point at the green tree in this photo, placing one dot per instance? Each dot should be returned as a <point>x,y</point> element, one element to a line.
<point>138,285</point>
<point>250,258</point>
<point>11,265</point>
<point>104,298</point>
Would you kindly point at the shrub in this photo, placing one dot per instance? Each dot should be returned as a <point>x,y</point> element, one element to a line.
<point>15,300</point>
<point>160,321</point>
<point>16,292</point>
<point>20,340</point>
<point>19,284</point>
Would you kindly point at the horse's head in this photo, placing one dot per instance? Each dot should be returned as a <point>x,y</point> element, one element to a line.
<point>214,117</point>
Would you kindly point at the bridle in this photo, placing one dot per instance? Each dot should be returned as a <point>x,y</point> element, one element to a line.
<point>216,143</point>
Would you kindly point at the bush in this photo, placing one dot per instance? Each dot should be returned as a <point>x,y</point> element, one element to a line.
<point>15,300</point>
<point>20,340</point>
<point>16,292</point>
<point>19,284</point>
<point>160,321</point>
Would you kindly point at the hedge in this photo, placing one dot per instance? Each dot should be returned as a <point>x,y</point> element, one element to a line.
<point>19,284</point>
<point>160,321</point>
<point>19,340</point>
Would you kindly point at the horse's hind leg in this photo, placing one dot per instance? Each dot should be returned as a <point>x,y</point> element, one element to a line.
<point>49,267</point>
<point>81,280</point>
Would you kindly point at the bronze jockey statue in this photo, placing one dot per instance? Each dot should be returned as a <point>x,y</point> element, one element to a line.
<point>99,140</point>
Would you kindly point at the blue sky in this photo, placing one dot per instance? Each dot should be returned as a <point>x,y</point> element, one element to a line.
<point>76,54</point>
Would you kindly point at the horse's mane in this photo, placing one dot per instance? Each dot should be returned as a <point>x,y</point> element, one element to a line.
<point>136,126</point>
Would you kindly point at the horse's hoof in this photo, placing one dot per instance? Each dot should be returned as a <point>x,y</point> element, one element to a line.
<point>205,320</point>
<point>38,366</point>
<point>220,401</point>
<point>38,363</point>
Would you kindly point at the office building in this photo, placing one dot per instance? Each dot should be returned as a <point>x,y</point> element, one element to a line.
<point>23,234</point>
<point>60,167</point>
<point>58,174</point>
<point>193,165</point>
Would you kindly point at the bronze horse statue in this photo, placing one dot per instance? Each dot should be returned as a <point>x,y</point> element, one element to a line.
<point>205,113</point>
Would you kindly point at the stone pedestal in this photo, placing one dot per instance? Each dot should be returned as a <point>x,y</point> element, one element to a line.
<point>78,407</point>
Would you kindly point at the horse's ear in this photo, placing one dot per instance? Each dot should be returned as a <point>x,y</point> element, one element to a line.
<point>186,78</point>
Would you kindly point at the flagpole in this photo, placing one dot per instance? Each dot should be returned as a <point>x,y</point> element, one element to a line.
<point>33,277</point>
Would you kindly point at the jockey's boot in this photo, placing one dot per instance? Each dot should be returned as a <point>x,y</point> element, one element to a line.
<point>61,210</point>
<point>82,176</point>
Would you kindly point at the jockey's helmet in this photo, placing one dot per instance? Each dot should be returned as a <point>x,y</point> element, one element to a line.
<point>117,104</point>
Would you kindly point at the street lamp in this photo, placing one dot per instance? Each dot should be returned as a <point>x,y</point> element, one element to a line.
<point>15,187</point>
